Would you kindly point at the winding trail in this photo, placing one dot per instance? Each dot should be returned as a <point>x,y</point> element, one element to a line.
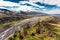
<point>6,32</point>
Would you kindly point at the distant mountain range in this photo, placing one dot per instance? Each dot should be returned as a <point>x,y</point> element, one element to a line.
<point>6,11</point>
<point>58,15</point>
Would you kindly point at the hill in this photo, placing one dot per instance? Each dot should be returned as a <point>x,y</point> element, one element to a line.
<point>43,30</point>
<point>34,13</point>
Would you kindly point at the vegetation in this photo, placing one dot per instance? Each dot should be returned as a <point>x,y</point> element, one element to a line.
<point>11,20</point>
<point>39,31</point>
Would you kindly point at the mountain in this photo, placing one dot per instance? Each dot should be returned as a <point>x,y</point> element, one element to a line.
<point>34,13</point>
<point>6,11</point>
<point>56,15</point>
<point>3,15</point>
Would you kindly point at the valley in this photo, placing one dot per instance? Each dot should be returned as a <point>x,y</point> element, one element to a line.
<point>28,26</point>
<point>47,28</point>
<point>29,20</point>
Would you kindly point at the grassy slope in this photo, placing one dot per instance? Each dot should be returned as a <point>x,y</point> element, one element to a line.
<point>33,35</point>
<point>8,23</point>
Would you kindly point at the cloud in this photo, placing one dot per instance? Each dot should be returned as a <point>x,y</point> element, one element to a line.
<point>50,2</point>
<point>53,11</point>
<point>33,4</point>
<point>34,0</point>
<point>34,7</point>
<point>25,8</point>
<point>17,7</point>
<point>1,0</point>
<point>9,5</point>
<point>53,2</point>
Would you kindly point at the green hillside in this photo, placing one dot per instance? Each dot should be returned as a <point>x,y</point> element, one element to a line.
<point>39,31</point>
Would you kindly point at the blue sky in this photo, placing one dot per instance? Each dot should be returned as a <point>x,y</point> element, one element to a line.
<point>52,6</point>
<point>13,0</point>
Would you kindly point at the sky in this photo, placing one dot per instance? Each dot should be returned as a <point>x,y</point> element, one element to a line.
<point>52,2</point>
<point>52,6</point>
<point>13,0</point>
